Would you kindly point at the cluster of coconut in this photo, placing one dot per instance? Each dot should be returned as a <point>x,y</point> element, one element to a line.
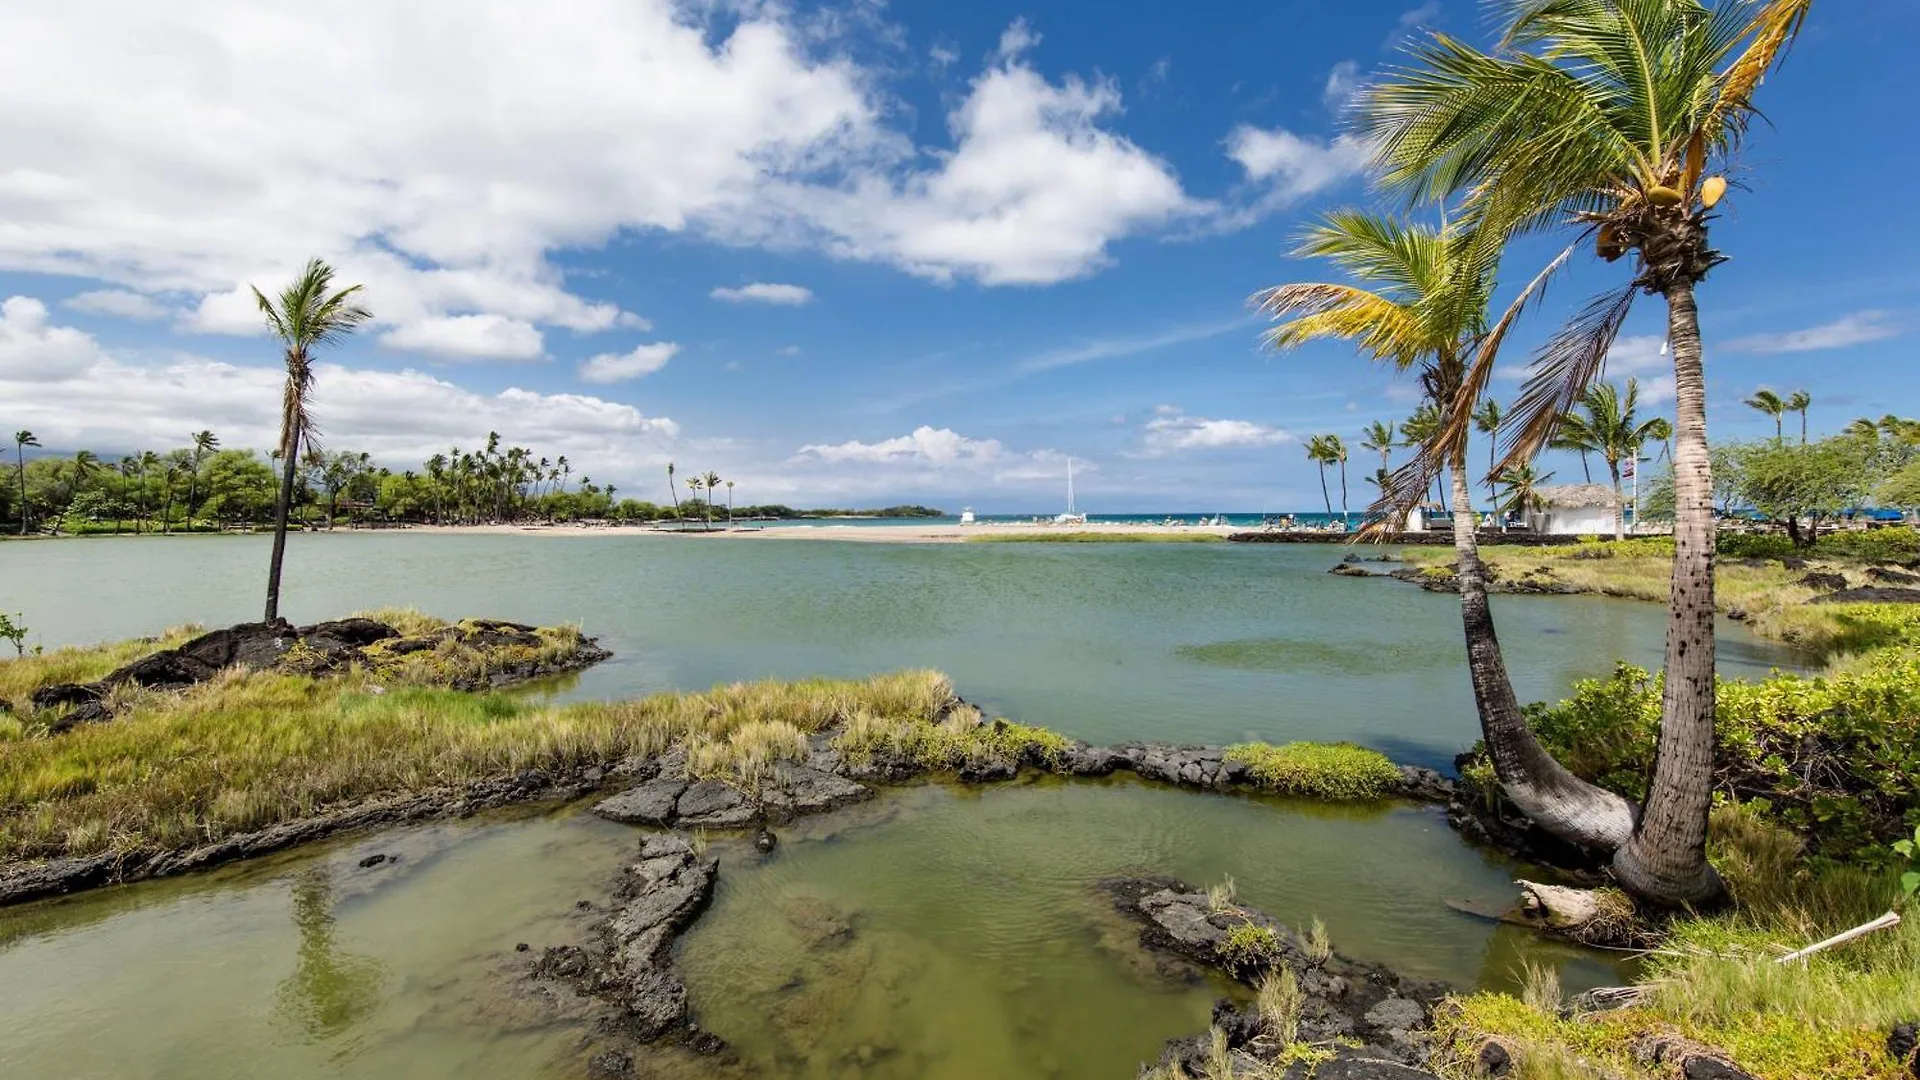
<point>1608,244</point>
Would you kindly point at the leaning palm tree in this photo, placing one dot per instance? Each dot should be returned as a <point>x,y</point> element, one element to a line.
<point>1606,424</point>
<point>1617,116</point>
<point>1800,401</point>
<point>1321,454</point>
<point>1487,420</point>
<point>204,442</point>
<point>307,315</point>
<point>1337,450</point>
<point>1420,301</point>
<point>1773,405</point>
<point>22,440</point>
<point>673,493</point>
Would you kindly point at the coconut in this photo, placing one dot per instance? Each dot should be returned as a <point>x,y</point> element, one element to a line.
<point>1607,245</point>
<point>1713,191</point>
<point>1661,195</point>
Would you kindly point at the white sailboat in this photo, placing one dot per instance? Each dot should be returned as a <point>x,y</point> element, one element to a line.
<point>1070,517</point>
<point>966,516</point>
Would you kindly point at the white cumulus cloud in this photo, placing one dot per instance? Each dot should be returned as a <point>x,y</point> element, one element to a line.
<point>442,152</point>
<point>468,337</point>
<point>926,444</point>
<point>32,351</point>
<point>59,383</point>
<point>641,361</point>
<point>119,303</point>
<point>1171,430</point>
<point>765,293</point>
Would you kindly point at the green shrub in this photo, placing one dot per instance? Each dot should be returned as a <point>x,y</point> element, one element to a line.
<point>1871,546</point>
<point>1836,757</point>
<point>1319,770</point>
<point>1249,946</point>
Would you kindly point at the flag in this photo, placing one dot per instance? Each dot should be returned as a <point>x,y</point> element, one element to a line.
<point>1628,473</point>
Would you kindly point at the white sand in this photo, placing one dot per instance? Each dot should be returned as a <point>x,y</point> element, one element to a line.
<point>872,534</point>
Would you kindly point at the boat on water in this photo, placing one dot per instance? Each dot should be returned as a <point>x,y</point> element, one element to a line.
<point>966,515</point>
<point>1070,517</point>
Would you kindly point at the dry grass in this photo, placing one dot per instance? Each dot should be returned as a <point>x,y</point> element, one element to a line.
<point>951,739</point>
<point>1716,980</point>
<point>248,750</point>
<point>1279,1001</point>
<point>20,677</point>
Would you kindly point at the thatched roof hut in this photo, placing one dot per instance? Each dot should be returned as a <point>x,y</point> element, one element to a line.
<point>1574,496</point>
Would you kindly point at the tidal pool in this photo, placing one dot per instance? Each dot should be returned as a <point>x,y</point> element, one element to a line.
<point>937,932</point>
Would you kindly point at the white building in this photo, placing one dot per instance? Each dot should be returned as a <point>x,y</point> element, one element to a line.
<point>1573,510</point>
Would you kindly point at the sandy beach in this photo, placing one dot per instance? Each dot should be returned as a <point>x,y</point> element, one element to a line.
<point>870,534</point>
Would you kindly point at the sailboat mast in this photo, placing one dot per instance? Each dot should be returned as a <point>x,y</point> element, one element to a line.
<point>1069,485</point>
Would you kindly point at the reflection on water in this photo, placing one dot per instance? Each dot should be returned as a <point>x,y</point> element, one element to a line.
<point>953,933</point>
<point>936,932</point>
<point>330,989</point>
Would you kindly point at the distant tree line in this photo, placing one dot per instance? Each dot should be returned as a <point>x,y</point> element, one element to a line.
<point>204,487</point>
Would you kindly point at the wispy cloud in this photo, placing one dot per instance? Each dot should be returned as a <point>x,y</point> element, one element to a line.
<point>1342,81</point>
<point>763,292</point>
<point>1413,19</point>
<point>1133,345</point>
<point>1858,328</point>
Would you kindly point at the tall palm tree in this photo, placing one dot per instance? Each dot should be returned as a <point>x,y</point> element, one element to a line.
<point>22,440</point>
<point>695,483</point>
<point>1337,450</point>
<point>1378,437</point>
<point>1487,420</point>
<point>1418,430</point>
<point>1421,301</point>
<point>1609,114</point>
<point>713,483</point>
<point>729,504</point>
<point>307,315</point>
<point>1321,454</point>
<point>1773,405</point>
<point>1605,424</point>
<point>128,465</point>
<point>204,442</point>
<point>673,492</point>
<point>1800,401</point>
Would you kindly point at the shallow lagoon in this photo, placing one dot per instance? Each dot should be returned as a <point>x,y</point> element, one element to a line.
<point>973,943</point>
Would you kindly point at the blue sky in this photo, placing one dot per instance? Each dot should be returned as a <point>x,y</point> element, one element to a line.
<point>841,254</point>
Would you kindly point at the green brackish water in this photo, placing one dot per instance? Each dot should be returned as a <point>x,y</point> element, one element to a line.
<point>938,932</point>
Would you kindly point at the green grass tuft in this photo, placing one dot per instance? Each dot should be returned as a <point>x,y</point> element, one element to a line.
<point>1337,771</point>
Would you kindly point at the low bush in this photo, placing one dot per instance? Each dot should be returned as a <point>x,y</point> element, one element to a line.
<point>1836,757</point>
<point>1891,545</point>
<point>1340,771</point>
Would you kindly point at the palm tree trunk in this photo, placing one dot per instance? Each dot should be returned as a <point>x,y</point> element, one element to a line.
<point>1803,427</point>
<point>1666,859</point>
<point>1585,469</point>
<point>1325,499</point>
<point>1543,789</point>
<point>287,467</point>
<point>1343,491</point>
<point>1619,511</point>
<point>20,460</point>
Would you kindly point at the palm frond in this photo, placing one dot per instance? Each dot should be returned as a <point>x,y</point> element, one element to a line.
<point>1772,29</point>
<point>1486,353</point>
<point>1378,327</point>
<point>1562,371</point>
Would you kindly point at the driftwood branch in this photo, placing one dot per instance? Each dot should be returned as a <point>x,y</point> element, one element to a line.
<point>1891,918</point>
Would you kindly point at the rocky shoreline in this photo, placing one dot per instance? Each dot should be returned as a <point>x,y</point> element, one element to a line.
<point>509,653</point>
<point>625,963</point>
<point>1351,1021</point>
